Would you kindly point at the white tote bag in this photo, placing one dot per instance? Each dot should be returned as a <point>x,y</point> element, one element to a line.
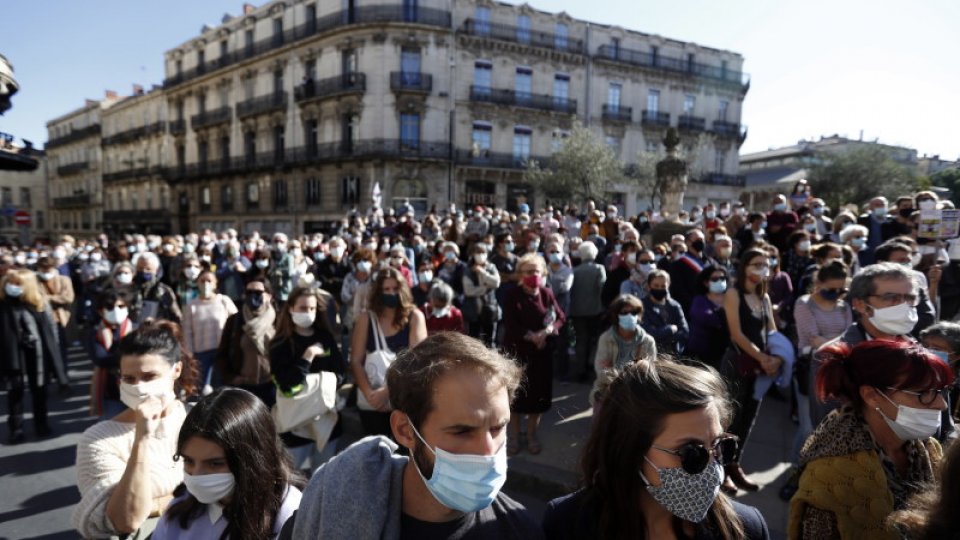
<point>376,364</point>
<point>317,398</point>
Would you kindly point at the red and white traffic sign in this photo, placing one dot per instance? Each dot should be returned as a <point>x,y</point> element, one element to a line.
<point>22,217</point>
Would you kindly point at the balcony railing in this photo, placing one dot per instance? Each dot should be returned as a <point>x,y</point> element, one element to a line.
<point>73,168</point>
<point>211,118</point>
<point>178,127</point>
<point>522,99</point>
<point>75,135</point>
<point>147,215</point>
<point>139,172</point>
<point>730,130</point>
<point>721,179</point>
<point>691,123</point>
<point>406,81</point>
<point>655,119</point>
<point>305,155</point>
<point>134,133</point>
<point>498,160</point>
<point>525,36</point>
<point>617,113</point>
<point>262,104</point>
<point>678,66</point>
<point>390,13</point>
<point>72,201</point>
<point>347,83</point>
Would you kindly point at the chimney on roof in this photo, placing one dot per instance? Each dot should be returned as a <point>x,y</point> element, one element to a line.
<point>89,102</point>
<point>861,134</point>
<point>137,90</point>
<point>248,9</point>
<point>110,94</point>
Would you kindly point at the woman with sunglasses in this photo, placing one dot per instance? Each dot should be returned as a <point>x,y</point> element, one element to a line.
<point>820,317</point>
<point>708,328</point>
<point>653,464</point>
<point>750,320</point>
<point>243,355</point>
<point>867,458</point>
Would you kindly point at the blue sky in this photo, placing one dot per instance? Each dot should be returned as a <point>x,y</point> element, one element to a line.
<point>818,67</point>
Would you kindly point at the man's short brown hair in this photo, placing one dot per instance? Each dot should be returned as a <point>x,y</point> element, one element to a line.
<point>412,376</point>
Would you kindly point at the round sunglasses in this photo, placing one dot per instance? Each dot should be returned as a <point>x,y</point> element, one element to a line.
<point>694,456</point>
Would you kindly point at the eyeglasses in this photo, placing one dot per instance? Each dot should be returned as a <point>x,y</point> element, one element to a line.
<point>926,397</point>
<point>254,293</point>
<point>694,457</point>
<point>716,279</point>
<point>838,292</point>
<point>630,312</point>
<point>897,298</point>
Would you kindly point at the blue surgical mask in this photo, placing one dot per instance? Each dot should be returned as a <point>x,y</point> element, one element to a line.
<point>13,291</point>
<point>780,207</point>
<point>465,482</point>
<point>627,322</point>
<point>942,355</point>
<point>509,247</point>
<point>718,287</point>
<point>556,258</point>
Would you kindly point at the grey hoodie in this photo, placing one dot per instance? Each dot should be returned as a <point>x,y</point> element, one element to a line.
<point>357,494</point>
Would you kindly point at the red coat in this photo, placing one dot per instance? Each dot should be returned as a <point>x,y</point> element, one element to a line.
<point>453,322</point>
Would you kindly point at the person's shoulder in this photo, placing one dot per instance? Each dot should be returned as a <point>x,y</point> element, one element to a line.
<point>564,517</point>
<point>754,524</point>
<point>518,519</point>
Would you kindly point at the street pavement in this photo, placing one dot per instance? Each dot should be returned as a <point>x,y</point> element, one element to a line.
<point>39,479</point>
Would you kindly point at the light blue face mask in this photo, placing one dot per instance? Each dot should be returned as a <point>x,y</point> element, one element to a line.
<point>627,322</point>
<point>13,291</point>
<point>465,482</point>
<point>718,287</point>
<point>942,355</point>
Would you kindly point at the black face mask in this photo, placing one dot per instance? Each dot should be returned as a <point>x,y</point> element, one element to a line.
<point>698,245</point>
<point>658,294</point>
<point>255,300</point>
<point>391,300</point>
<point>906,212</point>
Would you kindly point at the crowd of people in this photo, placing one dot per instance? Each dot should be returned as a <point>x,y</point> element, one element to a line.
<point>451,328</point>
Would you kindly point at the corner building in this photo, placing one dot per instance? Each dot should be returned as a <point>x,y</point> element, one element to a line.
<point>285,117</point>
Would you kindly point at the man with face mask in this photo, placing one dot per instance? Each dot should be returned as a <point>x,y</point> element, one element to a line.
<point>685,271</point>
<point>151,298</point>
<point>781,222</point>
<point>884,298</point>
<point>451,398</point>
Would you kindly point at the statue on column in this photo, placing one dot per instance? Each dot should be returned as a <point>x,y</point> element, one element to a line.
<point>671,184</point>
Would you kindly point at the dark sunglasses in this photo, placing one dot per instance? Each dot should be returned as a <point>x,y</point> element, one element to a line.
<point>694,456</point>
<point>631,312</point>
<point>718,278</point>
<point>839,292</point>
<point>254,294</point>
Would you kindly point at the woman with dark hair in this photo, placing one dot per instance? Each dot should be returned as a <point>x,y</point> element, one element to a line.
<point>392,319</point>
<point>240,482</point>
<point>125,467</point>
<point>709,338</point>
<point>749,315</point>
<point>822,255</point>
<point>112,325</point>
<point>779,288</point>
<point>204,319</point>
<point>663,316</point>
<point>624,343</point>
<point>878,449</point>
<point>243,352</point>
<point>653,464</point>
<point>797,257</point>
<point>305,343</point>
<point>932,513</point>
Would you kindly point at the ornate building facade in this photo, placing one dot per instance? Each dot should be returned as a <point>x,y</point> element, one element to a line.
<point>287,116</point>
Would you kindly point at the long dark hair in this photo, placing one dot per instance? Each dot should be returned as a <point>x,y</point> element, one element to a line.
<point>631,415</point>
<point>743,272</point>
<point>241,424</point>
<point>375,303</point>
<point>285,326</point>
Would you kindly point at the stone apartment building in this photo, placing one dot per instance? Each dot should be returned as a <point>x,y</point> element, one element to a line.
<point>285,117</point>
<point>23,189</point>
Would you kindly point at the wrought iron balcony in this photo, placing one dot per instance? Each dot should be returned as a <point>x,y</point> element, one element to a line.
<point>178,127</point>
<point>133,217</point>
<point>617,113</point>
<point>73,168</point>
<point>347,83</point>
<point>498,160</point>
<point>413,82</point>
<point>134,133</point>
<point>73,136</point>
<point>513,98</point>
<point>140,172</point>
<point>215,117</point>
<point>656,119</point>
<point>678,66</point>
<point>686,122</point>
<point>376,14</point>
<point>263,104</point>
<point>730,130</point>
<point>721,179</point>
<point>72,201</point>
<point>524,36</point>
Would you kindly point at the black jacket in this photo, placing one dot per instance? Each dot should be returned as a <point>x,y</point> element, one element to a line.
<point>30,341</point>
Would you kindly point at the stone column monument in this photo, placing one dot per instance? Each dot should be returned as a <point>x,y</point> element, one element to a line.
<point>671,182</point>
<point>671,176</point>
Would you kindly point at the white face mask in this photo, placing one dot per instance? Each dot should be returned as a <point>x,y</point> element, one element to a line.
<point>441,312</point>
<point>209,488</point>
<point>895,320</point>
<point>116,315</point>
<point>208,289</point>
<point>762,273</point>
<point>192,273</point>
<point>912,423</point>
<point>132,395</point>
<point>124,278</point>
<point>302,319</point>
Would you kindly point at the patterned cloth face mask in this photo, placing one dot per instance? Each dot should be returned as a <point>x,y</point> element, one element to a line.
<point>687,496</point>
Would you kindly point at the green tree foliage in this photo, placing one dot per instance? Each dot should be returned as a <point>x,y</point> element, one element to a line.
<point>583,168</point>
<point>859,175</point>
<point>949,179</point>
